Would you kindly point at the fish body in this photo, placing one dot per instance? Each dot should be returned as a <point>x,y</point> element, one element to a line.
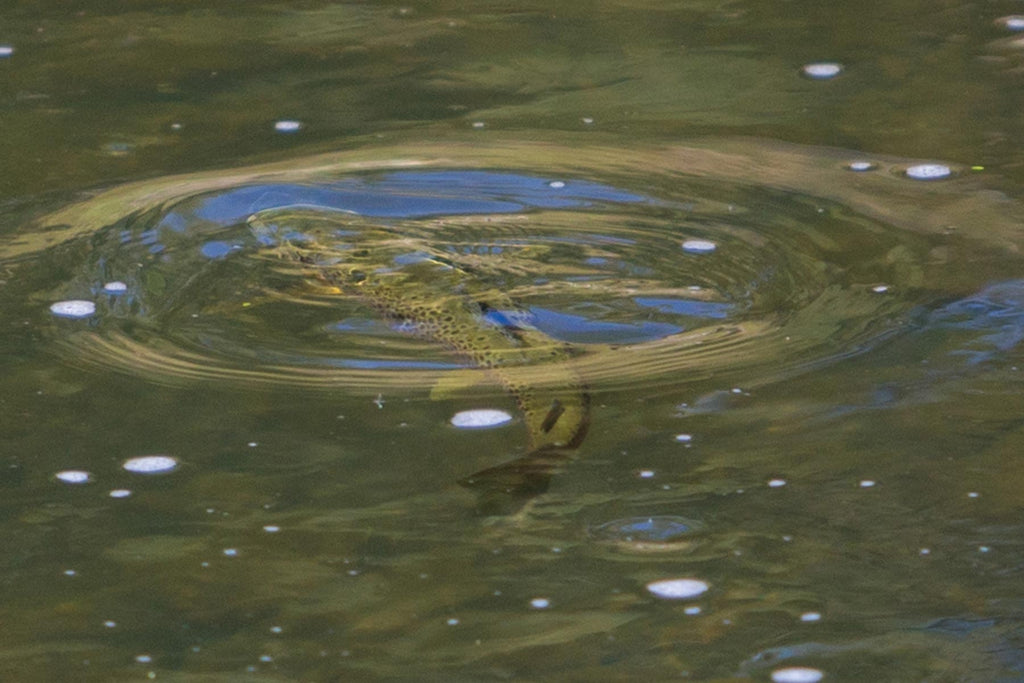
<point>429,292</point>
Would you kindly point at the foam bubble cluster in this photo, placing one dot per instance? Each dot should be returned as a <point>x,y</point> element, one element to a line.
<point>116,287</point>
<point>150,464</point>
<point>929,171</point>
<point>73,477</point>
<point>1012,23</point>
<point>797,674</point>
<point>288,126</point>
<point>73,308</point>
<point>822,70</point>
<point>699,246</point>
<point>677,589</point>
<point>480,418</point>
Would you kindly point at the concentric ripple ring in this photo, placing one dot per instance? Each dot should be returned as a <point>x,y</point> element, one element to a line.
<point>810,262</point>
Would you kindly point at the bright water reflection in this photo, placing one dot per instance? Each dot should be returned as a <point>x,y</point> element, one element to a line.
<point>803,454</point>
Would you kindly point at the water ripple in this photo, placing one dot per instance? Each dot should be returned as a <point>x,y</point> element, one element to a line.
<point>802,272</point>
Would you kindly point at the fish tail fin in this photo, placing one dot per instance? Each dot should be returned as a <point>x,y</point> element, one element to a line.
<point>505,488</point>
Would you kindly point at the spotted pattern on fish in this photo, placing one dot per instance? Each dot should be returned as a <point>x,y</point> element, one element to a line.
<point>432,294</point>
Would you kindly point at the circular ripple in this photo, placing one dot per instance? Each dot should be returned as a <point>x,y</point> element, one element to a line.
<point>656,533</point>
<point>212,288</point>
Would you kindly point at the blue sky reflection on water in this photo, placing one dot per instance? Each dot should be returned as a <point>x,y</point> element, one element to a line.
<point>415,195</point>
<point>582,330</point>
<point>688,307</point>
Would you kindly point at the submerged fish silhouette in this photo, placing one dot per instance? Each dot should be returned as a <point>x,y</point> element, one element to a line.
<point>441,299</point>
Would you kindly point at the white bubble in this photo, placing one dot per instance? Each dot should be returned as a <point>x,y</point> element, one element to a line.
<point>776,483</point>
<point>176,126</point>
<point>70,572</point>
<point>880,289</point>
<point>150,464</point>
<point>540,603</point>
<point>587,120</point>
<point>266,658</point>
<point>810,616</point>
<point>822,70</point>
<point>276,629</point>
<point>73,308</point>
<point>1012,23</point>
<point>116,287</point>
<point>973,494</point>
<point>288,126</point>
<point>120,493</point>
<point>478,124</point>
<point>861,166</point>
<point>110,624</point>
<point>929,171</point>
<point>677,589</point>
<point>925,551</point>
<point>143,659</point>
<point>699,246</point>
<point>692,611</point>
<point>271,528</point>
<point>73,477</point>
<point>684,438</point>
<point>230,552</point>
<point>480,419</point>
<point>797,674</point>
<point>866,483</point>
<point>556,184</point>
<point>6,50</point>
<point>645,474</point>
<point>452,622</point>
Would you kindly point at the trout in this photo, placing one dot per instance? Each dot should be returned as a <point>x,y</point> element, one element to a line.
<point>430,292</point>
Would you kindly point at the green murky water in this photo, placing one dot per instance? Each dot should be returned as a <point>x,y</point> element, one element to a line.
<point>798,383</point>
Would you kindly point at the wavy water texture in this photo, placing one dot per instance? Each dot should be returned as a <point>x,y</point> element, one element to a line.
<point>584,248</point>
<point>808,266</point>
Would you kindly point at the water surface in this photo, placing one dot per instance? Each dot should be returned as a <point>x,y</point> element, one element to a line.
<point>818,418</point>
